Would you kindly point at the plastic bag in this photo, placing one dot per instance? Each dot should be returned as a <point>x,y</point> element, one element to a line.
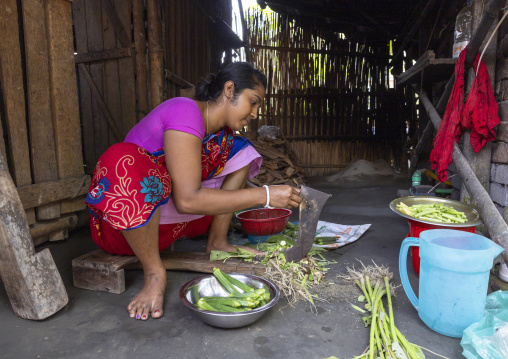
<point>269,132</point>
<point>488,338</point>
<point>462,33</point>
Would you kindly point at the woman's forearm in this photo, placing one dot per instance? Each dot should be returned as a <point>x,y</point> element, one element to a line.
<point>211,201</point>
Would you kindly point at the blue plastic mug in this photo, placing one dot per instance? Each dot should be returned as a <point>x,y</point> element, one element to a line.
<point>454,277</point>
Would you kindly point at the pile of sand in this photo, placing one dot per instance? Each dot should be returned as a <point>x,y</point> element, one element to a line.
<point>360,169</point>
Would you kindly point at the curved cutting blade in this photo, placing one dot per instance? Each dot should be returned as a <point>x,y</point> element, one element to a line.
<point>310,209</point>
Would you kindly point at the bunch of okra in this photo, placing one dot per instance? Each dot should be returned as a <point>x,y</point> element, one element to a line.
<point>251,298</point>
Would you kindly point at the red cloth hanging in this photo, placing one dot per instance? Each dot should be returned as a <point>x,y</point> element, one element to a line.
<point>479,114</point>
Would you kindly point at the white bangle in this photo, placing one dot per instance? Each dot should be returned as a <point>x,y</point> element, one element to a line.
<point>267,205</point>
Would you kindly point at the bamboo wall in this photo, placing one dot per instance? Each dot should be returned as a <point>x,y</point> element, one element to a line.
<point>40,133</point>
<point>329,93</point>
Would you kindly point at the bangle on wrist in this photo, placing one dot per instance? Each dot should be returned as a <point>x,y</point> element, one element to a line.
<point>267,205</point>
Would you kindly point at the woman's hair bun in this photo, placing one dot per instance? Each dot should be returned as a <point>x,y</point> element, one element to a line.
<point>243,75</point>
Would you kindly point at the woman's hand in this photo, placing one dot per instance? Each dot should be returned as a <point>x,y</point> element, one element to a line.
<point>284,196</point>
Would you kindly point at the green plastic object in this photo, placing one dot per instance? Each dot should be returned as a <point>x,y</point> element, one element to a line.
<point>488,338</point>
<point>417,178</point>
<point>444,190</point>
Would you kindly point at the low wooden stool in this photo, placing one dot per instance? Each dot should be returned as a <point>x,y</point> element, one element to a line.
<point>99,270</point>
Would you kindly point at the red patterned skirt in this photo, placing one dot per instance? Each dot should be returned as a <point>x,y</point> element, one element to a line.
<point>129,184</point>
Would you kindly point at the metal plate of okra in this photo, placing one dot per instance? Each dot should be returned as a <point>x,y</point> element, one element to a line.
<point>472,215</point>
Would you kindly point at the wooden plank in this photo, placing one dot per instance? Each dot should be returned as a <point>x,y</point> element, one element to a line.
<point>73,205</point>
<point>155,52</point>
<point>63,85</point>
<point>102,271</point>
<point>42,142</point>
<point>43,193</point>
<point>11,80</point>
<point>177,79</point>
<point>114,19</point>
<point>101,102</point>
<point>110,94</point>
<point>138,17</point>
<point>85,96</point>
<point>126,70</point>
<point>30,216</point>
<point>33,284</point>
<point>2,142</point>
<point>103,55</point>
<point>94,30</point>
<point>44,228</point>
<point>58,235</point>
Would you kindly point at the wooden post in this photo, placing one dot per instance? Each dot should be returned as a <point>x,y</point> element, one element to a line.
<point>155,52</point>
<point>31,280</point>
<point>479,162</point>
<point>42,143</point>
<point>11,80</point>
<point>140,49</point>
<point>64,95</point>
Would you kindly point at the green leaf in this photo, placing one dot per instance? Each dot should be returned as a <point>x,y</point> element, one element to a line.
<point>361,298</point>
<point>419,352</point>
<point>398,351</point>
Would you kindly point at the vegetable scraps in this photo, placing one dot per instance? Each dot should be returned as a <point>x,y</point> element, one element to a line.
<point>294,279</point>
<point>436,212</point>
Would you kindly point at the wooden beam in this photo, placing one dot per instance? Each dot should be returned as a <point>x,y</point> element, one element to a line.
<point>180,81</point>
<point>415,27</point>
<point>13,96</point>
<point>103,55</point>
<point>47,192</point>
<point>64,91</point>
<point>317,51</point>
<point>11,80</point>
<point>102,271</point>
<point>138,15</point>
<point>42,142</point>
<point>155,52</point>
<point>32,281</point>
<point>40,229</point>
<point>126,70</point>
<point>122,35</point>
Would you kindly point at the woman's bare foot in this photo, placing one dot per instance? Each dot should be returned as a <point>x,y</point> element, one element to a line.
<point>227,247</point>
<point>150,298</point>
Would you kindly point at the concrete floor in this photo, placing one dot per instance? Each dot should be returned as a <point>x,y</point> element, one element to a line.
<point>96,324</point>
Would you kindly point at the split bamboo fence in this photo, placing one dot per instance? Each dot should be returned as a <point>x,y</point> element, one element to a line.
<point>331,94</point>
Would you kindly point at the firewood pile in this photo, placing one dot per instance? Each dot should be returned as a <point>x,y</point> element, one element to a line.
<point>279,166</point>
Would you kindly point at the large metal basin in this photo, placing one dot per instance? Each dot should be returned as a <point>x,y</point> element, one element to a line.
<point>208,285</point>
<point>472,215</point>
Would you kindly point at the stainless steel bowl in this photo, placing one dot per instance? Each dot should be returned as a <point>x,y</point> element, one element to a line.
<point>472,215</point>
<point>208,285</point>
